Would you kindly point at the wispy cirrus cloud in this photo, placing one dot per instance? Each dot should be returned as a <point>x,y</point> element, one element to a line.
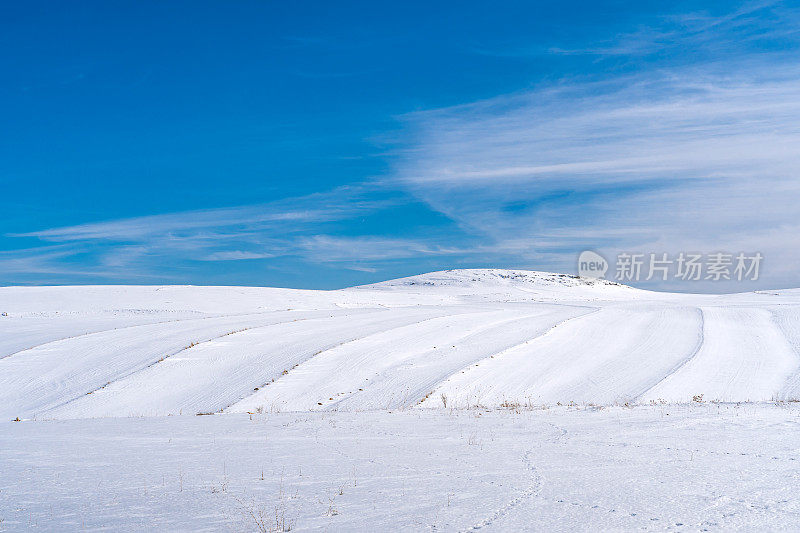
<point>684,159</point>
<point>691,158</point>
<point>725,33</point>
<point>692,143</point>
<point>54,263</point>
<point>236,255</point>
<point>296,228</point>
<point>341,203</point>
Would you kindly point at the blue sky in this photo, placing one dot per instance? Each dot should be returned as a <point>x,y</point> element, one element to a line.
<point>321,145</point>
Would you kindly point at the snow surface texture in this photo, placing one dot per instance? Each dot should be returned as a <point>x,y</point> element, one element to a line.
<point>423,404</point>
<point>460,338</point>
<point>687,467</point>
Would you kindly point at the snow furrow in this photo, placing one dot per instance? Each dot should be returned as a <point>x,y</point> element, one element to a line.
<point>397,368</point>
<point>455,338</point>
<point>57,372</point>
<point>46,337</point>
<point>435,393</point>
<point>684,362</point>
<point>212,375</point>
<point>601,357</point>
<point>744,356</point>
<point>788,320</point>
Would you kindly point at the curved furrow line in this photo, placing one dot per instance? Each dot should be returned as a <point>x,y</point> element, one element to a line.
<point>598,357</point>
<point>675,369</point>
<point>418,387</point>
<point>39,382</point>
<point>280,379</point>
<point>744,356</point>
<point>790,328</point>
<point>394,369</point>
<point>167,356</point>
<point>212,375</point>
<point>124,328</point>
<point>288,373</point>
<point>507,350</point>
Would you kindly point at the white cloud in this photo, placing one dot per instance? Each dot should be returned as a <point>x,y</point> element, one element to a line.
<point>236,255</point>
<point>666,159</point>
<point>671,160</point>
<point>223,223</point>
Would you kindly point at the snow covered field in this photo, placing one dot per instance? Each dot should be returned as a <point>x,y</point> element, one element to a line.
<point>508,399</point>
<point>683,467</point>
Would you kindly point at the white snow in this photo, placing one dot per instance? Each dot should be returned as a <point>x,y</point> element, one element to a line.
<point>351,397</point>
<point>687,467</point>
<point>478,337</point>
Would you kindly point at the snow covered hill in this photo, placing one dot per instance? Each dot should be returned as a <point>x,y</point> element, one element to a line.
<point>457,338</point>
